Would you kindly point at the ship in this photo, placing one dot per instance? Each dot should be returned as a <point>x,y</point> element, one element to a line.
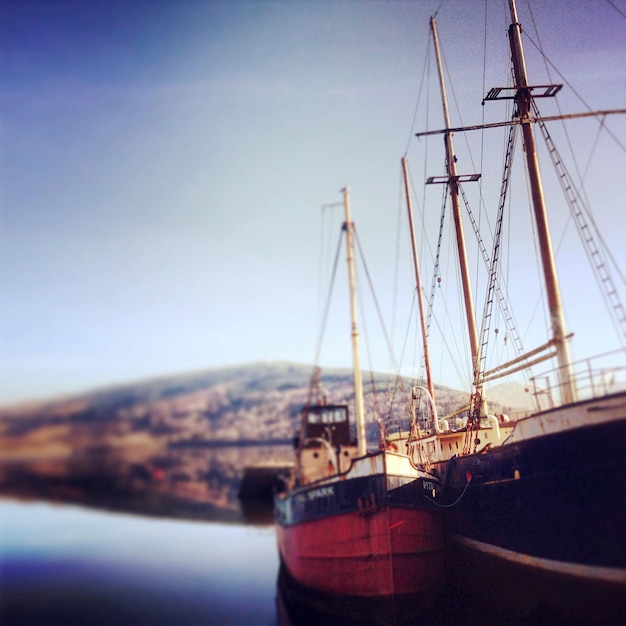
<point>358,534</point>
<point>534,508</point>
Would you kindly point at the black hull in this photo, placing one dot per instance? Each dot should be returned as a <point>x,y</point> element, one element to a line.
<point>500,591</point>
<point>544,519</point>
<point>354,495</point>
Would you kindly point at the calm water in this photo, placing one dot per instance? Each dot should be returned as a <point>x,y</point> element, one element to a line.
<point>63,564</point>
<point>192,557</point>
<point>69,565</point>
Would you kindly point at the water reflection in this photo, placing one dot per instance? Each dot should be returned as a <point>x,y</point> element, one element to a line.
<point>191,483</point>
<point>63,563</point>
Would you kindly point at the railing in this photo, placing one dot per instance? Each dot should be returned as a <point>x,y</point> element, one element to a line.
<point>593,378</point>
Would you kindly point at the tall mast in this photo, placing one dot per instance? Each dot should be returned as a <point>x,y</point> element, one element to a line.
<point>348,226</point>
<point>418,280</point>
<point>453,186</point>
<point>523,100</point>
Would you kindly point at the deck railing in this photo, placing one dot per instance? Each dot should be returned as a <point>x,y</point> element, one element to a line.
<point>593,377</point>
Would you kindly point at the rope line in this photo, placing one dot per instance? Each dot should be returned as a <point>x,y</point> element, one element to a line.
<point>327,307</point>
<point>448,506</point>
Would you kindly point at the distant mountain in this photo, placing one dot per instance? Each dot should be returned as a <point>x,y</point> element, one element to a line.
<point>512,397</point>
<point>164,446</point>
<point>256,402</point>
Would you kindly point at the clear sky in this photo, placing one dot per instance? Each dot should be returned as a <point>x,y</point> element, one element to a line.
<point>164,164</point>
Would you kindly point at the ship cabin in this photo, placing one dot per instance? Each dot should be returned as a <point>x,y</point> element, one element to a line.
<point>326,447</point>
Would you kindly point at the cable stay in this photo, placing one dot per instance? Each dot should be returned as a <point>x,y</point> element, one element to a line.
<point>436,282</point>
<point>318,348</point>
<point>494,289</point>
<point>436,271</point>
<point>350,228</point>
<point>375,301</point>
<point>586,231</point>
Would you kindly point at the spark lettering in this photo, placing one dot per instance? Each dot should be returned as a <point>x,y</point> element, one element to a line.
<point>321,492</point>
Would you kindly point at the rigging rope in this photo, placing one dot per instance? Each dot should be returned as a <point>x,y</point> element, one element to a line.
<point>587,229</point>
<point>599,116</point>
<point>578,205</point>
<point>436,282</point>
<point>612,4</point>
<point>327,307</point>
<point>436,273</point>
<point>419,95</point>
<point>493,266</point>
<point>447,506</point>
<point>377,305</point>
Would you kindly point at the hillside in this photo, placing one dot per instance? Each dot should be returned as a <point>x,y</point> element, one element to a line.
<point>258,402</point>
<point>165,446</point>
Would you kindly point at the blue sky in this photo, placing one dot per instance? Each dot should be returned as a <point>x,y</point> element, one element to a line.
<point>165,162</point>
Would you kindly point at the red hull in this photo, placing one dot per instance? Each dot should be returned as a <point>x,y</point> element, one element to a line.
<point>393,551</point>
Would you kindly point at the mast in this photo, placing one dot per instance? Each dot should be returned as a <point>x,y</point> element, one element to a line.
<point>348,226</point>
<point>418,280</point>
<point>453,186</point>
<point>523,100</point>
